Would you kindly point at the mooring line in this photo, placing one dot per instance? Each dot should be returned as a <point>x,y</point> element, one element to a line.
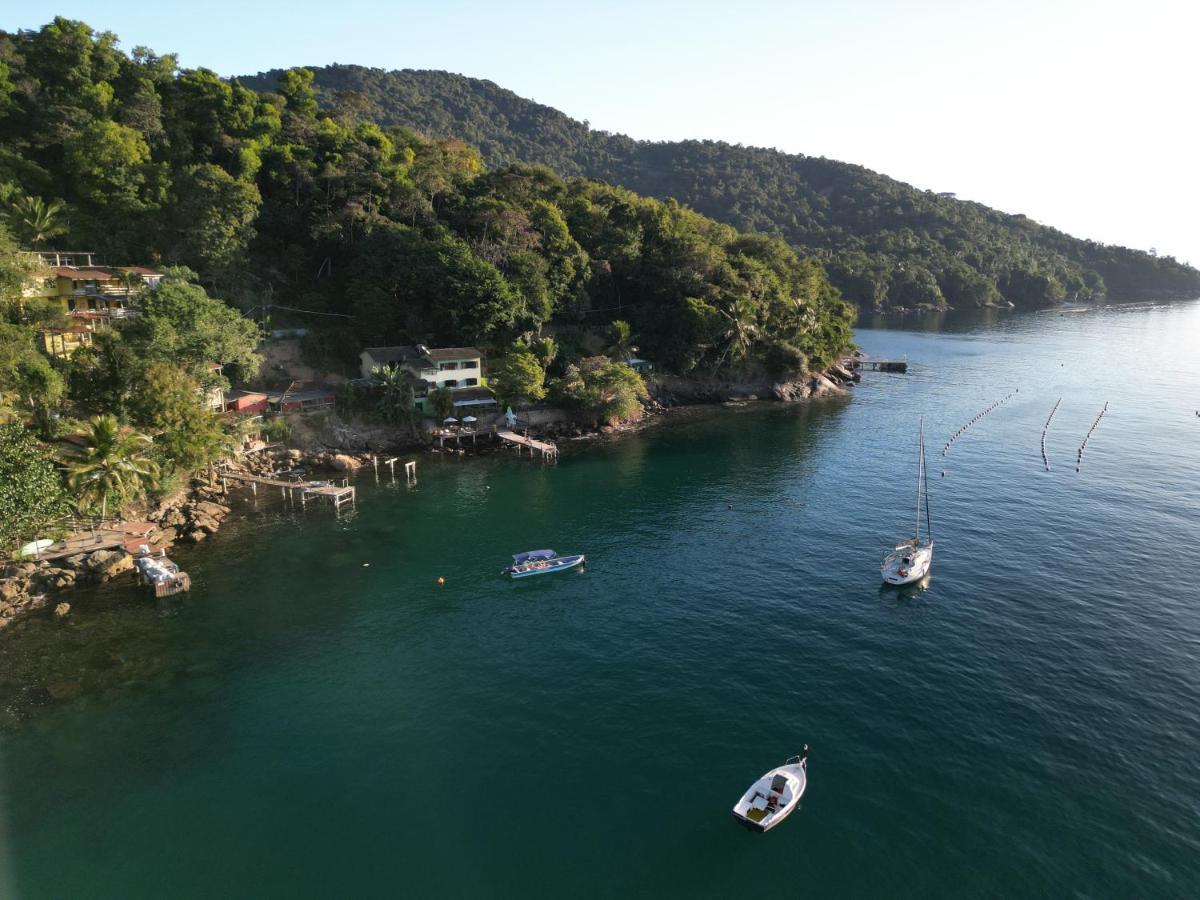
<point>1088,437</point>
<point>979,415</point>
<point>1046,459</point>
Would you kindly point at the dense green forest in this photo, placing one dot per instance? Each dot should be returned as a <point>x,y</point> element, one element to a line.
<point>277,204</point>
<point>263,210</point>
<point>884,243</point>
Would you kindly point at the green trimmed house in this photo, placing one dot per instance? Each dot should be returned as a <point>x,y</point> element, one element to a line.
<point>460,369</point>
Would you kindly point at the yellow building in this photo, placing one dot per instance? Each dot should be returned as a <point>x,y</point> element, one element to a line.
<point>62,342</point>
<point>89,294</point>
<point>79,286</point>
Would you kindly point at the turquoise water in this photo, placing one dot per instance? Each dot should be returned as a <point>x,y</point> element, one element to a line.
<point>304,725</point>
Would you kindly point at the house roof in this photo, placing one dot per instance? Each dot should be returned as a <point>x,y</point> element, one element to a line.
<point>448,353</point>
<point>302,394</point>
<point>140,270</point>
<point>392,354</point>
<point>93,274</point>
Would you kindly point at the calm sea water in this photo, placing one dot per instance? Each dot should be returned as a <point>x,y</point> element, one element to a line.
<point>306,725</point>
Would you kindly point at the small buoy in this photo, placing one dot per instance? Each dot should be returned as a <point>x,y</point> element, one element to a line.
<point>441,580</point>
<point>943,473</point>
<point>730,506</point>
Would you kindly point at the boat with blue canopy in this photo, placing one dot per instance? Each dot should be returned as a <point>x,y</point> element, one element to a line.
<point>542,562</point>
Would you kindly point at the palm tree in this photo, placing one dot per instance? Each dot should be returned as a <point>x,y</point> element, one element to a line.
<point>546,350</point>
<point>113,461</point>
<point>33,220</point>
<point>622,347</point>
<point>741,330</point>
<point>396,401</point>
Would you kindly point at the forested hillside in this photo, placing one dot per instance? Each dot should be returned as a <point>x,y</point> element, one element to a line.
<point>884,243</point>
<point>379,234</point>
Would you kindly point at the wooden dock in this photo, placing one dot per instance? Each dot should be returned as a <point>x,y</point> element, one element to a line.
<point>127,536</point>
<point>879,365</point>
<point>520,441</point>
<point>305,490</point>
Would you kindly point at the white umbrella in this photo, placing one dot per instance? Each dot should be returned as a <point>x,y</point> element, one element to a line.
<point>449,420</point>
<point>470,419</point>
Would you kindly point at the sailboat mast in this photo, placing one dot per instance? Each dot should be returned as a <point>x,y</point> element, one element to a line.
<point>920,476</point>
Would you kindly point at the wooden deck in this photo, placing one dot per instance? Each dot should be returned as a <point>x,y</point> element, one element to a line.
<point>548,451</point>
<point>124,536</point>
<point>879,365</point>
<point>305,490</point>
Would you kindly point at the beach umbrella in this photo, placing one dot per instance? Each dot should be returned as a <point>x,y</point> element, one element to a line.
<point>470,419</point>
<point>449,420</point>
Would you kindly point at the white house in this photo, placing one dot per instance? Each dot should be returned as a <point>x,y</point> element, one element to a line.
<point>459,369</point>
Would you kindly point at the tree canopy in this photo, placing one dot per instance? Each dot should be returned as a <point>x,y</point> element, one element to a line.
<point>884,243</point>
<point>364,231</point>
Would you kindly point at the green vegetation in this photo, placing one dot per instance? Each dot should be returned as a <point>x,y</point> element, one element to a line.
<point>113,462</point>
<point>31,491</point>
<point>390,235</point>
<point>884,243</point>
<point>609,390</point>
<point>441,403</point>
<point>519,378</point>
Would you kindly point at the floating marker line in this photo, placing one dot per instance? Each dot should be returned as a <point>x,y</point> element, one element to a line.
<point>1046,459</point>
<point>979,415</point>
<point>1088,437</point>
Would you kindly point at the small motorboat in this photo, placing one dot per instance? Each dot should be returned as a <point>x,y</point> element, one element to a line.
<point>542,562</point>
<point>772,798</point>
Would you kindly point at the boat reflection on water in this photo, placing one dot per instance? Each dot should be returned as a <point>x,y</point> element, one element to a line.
<point>904,591</point>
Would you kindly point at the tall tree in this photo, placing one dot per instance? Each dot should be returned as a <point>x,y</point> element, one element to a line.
<point>113,463</point>
<point>31,491</point>
<point>33,221</point>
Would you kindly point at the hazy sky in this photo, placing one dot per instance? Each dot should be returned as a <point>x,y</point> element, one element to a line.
<point>1079,113</point>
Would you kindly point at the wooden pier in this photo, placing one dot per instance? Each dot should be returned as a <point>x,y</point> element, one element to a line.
<point>520,441</point>
<point>305,490</point>
<point>879,365</point>
<point>410,468</point>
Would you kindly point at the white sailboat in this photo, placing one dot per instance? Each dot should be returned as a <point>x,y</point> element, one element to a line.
<point>911,560</point>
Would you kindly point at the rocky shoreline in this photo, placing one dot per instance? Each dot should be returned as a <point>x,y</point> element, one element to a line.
<point>197,512</point>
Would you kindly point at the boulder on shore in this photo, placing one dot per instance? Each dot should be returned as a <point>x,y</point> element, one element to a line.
<point>212,510</point>
<point>106,564</point>
<point>790,391</point>
<point>344,463</point>
<point>206,523</point>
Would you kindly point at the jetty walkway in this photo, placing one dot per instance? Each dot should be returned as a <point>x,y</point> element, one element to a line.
<point>336,493</point>
<point>547,450</point>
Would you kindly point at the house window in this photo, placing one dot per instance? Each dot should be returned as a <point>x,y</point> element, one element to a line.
<point>469,364</point>
<point>447,366</point>
<point>470,382</point>
<point>449,382</point>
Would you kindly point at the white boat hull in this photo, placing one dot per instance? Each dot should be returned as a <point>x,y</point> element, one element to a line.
<point>907,565</point>
<point>761,808</point>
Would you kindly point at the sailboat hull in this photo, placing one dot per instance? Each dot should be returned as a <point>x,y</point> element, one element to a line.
<point>907,565</point>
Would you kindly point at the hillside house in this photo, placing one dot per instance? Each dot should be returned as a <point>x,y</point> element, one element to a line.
<point>460,369</point>
<point>91,296</point>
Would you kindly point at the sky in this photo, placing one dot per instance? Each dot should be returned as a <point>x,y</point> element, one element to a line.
<point>1078,113</point>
